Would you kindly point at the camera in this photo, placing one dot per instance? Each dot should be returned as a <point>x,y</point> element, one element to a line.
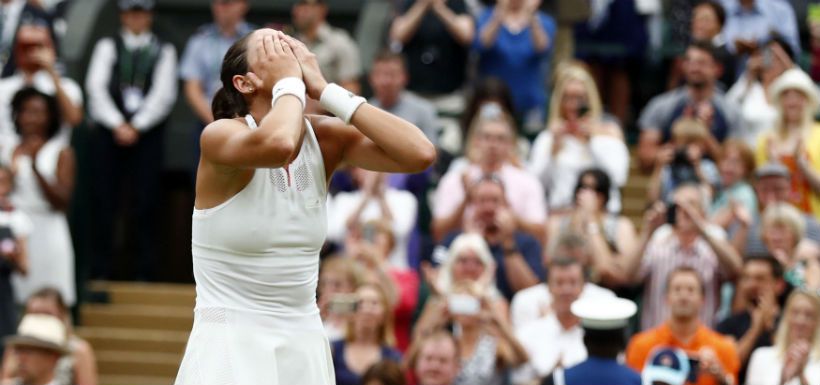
<point>682,169</point>
<point>671,213</point>
<point>343,304</point>
<point>463,304</point>
<point>694,370</point>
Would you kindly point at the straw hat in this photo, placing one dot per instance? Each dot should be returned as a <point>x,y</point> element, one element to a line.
<point>40,331</point>
<point>795,79</point>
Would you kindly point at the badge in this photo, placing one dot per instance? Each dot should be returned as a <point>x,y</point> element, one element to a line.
<point>132,98</point>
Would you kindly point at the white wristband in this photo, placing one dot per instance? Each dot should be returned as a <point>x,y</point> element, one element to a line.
<point>340,102</point>
<point>289,86</point>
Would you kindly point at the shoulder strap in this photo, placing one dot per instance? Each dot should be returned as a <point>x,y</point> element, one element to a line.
<point>251,122</point>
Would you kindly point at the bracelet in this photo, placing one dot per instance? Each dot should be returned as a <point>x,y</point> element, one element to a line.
<point>340,102</point>
<point>289,86</point>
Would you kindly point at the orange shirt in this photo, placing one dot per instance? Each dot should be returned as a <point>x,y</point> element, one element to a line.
<point>642,344</point>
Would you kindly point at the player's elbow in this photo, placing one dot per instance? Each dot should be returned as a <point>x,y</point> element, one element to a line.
<point>280,149</point>
<point>423,158</point>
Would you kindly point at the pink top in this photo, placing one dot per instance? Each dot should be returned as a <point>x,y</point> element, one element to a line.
<point>524,193</point>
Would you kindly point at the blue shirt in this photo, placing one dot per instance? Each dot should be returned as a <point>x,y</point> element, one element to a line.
<point>600,371</point>
<point>759,22</point>
<point>202,59</point>
<point>345,376</point>
<point>514,59</point>
<point>529,248</point>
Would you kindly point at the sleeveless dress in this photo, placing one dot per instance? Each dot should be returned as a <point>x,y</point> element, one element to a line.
<point>256,266</point>
<point>50,250</point>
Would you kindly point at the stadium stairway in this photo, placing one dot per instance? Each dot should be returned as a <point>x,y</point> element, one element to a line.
<point>139,336</point>
<point>633,199</point>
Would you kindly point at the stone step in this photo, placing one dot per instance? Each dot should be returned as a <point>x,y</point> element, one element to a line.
<point>151,317</point>
<point>136,293</point>
<point>135,340</point>
<point>127,363</point>
<point>108,379</point>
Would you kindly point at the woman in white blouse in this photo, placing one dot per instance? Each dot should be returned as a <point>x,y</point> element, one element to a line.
<point>795,357</point>
<point>577,137</point>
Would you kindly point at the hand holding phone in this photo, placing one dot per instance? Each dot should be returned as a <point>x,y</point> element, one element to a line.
<point>463,304</point>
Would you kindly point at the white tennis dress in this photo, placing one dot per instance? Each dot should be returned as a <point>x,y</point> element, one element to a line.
<point>256,265</point>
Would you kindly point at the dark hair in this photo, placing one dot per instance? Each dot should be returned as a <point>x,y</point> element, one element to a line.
<point>776,269</point>
<point>705,46</point>
<point>778,39</point>
<point>387,372</point>
<point>720,12</point>
<point>685,270</point>
<point>388,56</point>
<point>228,102</point>
<point>602,182</point>
<point>22,96</point>
<point>605,343</point>
<point>488,88</point>
<point>50,293</point>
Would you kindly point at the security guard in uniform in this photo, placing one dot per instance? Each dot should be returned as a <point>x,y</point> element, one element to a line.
<point>604,321</point>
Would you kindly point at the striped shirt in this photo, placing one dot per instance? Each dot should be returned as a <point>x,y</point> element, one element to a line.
<point>664,254</point>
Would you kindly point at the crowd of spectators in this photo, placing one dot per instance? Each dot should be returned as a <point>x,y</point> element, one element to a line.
<point>466,273</point>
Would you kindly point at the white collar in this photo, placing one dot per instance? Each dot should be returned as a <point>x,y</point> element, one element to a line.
<point>132,41</point>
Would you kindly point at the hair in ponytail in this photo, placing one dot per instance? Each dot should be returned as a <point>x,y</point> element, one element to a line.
<point>228,102</point>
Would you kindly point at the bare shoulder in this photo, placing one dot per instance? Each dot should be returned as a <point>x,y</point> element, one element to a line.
<point>82,347</point>
<point>223,127</point>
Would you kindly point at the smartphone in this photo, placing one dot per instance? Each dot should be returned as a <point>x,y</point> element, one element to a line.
<point>694,370</point>
<point>343,304</point>
<point>671,213</point>
<point>463,304</point>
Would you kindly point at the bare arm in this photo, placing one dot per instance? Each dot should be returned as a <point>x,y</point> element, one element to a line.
<point>518,272</point>
<point>195,95</point>
<point>405,26</point>
<point>461,27</point>
<point>630,265</point>
<point>59,193</point>
<point>648,144</point>
<point>488,34</point>
<point>444,225</point>
<point>540,39</point>
<point>227,142</point>
<point>510,351</point>
<point>537,230</point>
<point>728,259</point>
<point>72,113</point>
<point>85,365</point>
<point>812,175</point>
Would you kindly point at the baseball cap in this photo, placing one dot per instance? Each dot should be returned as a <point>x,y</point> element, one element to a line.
<point>666,365</point>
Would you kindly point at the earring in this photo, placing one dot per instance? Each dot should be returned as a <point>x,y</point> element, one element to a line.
<point>251,89</point>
